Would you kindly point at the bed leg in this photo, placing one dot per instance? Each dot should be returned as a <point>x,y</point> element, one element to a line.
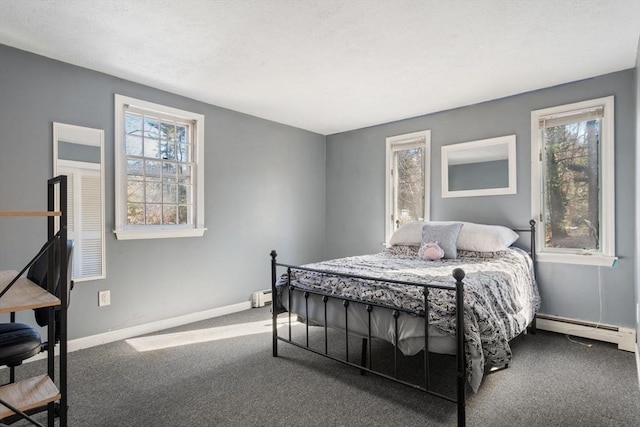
<point>363,360</point>
<point>532,326</point>
<point>275,335</point>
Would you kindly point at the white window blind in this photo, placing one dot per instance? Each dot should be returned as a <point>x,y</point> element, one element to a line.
<point>91,225</point>
<point>570,117</point>
<point>84,220</point>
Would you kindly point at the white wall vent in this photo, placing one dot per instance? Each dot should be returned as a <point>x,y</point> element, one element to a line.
<point>261,298</point>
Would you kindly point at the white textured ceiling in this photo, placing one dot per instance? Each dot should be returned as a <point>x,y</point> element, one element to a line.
<point>331,66</point>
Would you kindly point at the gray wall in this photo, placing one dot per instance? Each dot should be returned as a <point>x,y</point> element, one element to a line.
<point>276,199</point>
<point>265,189</point>
<point>355,190</point>
<point>637,263</point>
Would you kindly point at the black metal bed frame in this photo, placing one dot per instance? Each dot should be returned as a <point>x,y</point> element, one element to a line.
<point>365,363</point>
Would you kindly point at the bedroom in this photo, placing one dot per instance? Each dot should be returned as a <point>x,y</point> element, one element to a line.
<point>312,174</point>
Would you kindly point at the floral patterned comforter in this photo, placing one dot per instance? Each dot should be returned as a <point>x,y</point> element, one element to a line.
<point>500,294</point>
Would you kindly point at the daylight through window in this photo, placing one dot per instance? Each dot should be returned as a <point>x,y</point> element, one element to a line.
<point>160,172</point>
<point>407,179</point>
<point>575,148</point>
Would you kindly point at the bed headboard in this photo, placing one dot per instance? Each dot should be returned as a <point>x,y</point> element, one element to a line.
<point>532,234</point>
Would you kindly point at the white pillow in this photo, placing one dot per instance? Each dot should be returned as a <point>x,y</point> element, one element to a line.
<point>472,236</point>
<point>485,238</point>
<point>409,234</point>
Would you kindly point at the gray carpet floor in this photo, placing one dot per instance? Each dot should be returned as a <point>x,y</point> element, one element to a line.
<point>233,380</point>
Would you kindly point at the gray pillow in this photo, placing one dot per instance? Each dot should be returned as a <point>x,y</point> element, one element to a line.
<point>445,234</point>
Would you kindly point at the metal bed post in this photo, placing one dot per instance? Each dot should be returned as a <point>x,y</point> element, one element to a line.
<point>395,314</point>
<point>325,299</point>
<point>306,316</point>
<point>345,303</point>
<point>459,274</point>
<point>290,293</point>
<point>532,223</point>
<point>274,305</point>
<point>427,384</point>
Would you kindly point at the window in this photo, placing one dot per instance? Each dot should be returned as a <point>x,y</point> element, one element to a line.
<point>407,180</point>
<point>159,171</point>
<point>573,182</point>
<point>84,219</point>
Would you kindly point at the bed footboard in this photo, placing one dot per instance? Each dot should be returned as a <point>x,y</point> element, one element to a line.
<point>365,364</point>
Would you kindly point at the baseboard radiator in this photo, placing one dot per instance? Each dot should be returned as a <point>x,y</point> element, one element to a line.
<point>261,298</point>
<point>625,338</point>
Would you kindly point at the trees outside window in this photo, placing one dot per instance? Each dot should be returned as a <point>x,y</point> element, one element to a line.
<point>159,171</point>
<point>407,180</point>
<point>573,182</point>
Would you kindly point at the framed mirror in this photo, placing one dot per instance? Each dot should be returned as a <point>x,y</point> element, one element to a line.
<point>479,168</point>
<point>78,152</point>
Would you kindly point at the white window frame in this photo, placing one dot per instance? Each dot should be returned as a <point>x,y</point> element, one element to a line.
<point>122,230</point>
<point>398,143</point>
<point>77,169</point>
<point>606,255</point>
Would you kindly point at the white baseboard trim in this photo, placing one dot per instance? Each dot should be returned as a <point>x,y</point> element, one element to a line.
<point>147,328</point>
<point>625,338</point>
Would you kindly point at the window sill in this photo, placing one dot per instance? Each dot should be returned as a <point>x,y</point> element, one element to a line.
<point>597,260</point>
<point>158,234</point>
<point>89,279</point>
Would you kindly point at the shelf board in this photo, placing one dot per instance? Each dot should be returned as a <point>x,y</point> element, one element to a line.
<point>23,295</point>
<point>30,213</point>
<point>28,394</point>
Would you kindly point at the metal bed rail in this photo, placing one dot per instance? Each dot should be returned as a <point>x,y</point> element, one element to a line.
<point>365,364</point>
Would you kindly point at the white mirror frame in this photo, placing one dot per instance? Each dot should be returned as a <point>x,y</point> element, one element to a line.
<point>91,137</point>
<point>447,150</point>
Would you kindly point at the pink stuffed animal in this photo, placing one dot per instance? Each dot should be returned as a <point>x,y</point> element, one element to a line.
<point>431,251</point>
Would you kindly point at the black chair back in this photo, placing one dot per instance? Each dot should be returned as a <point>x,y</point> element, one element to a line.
<point>38,274</point>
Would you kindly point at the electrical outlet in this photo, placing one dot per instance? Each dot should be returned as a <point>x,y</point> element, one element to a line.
<point>104,298</point>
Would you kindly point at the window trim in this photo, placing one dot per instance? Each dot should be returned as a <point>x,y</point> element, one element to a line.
<point>606,256</point>
<point>122,231</point>
<point>408,140</point>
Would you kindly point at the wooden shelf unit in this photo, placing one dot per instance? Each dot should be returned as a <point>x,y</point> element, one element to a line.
<point>24,294</point>
<point>28,394</point>
<point>38,392</point>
